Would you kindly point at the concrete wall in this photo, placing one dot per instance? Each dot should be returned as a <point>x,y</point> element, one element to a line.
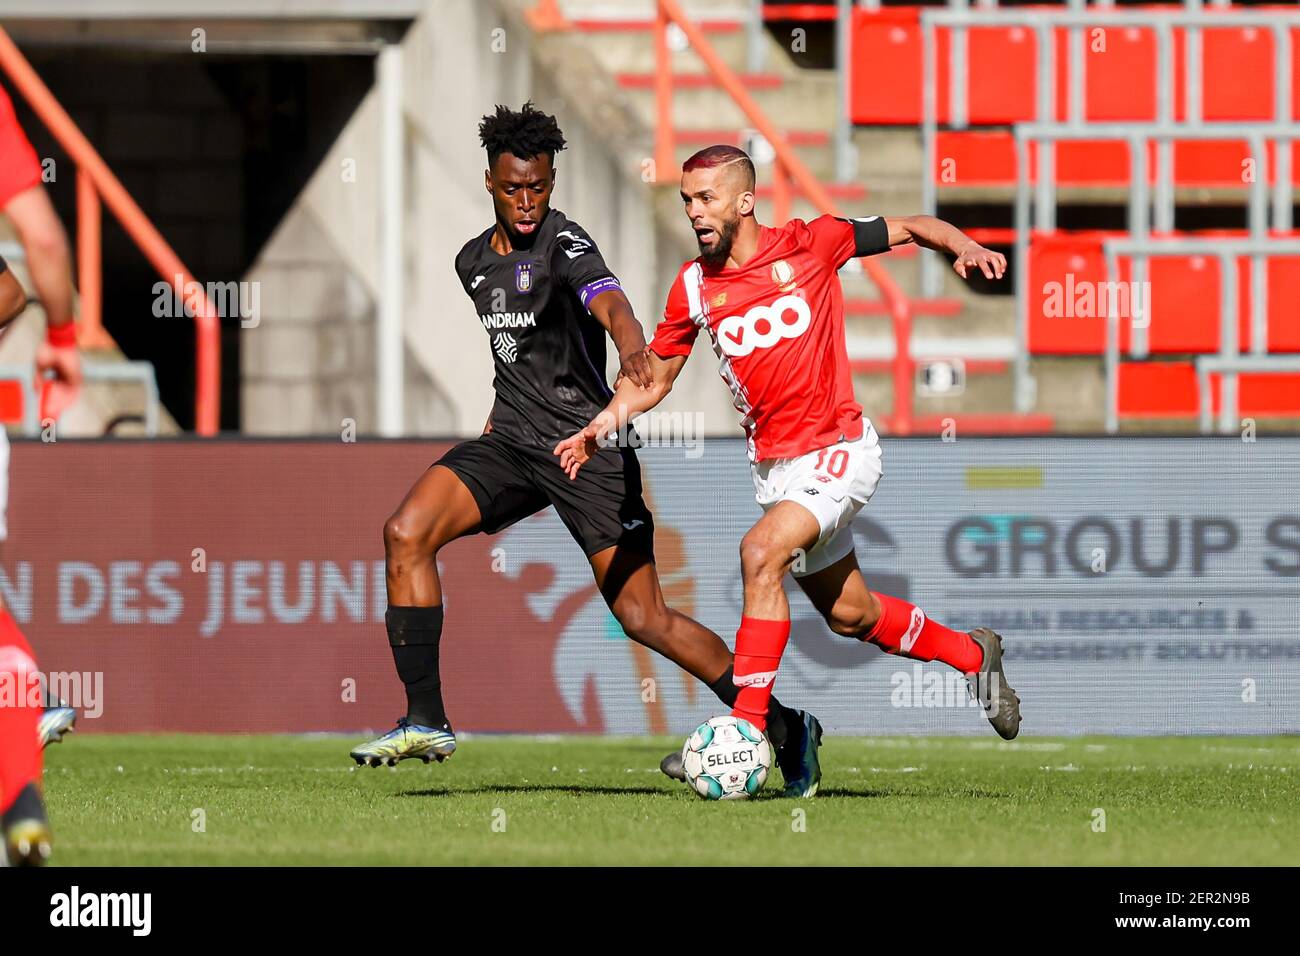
<point>310,363</point>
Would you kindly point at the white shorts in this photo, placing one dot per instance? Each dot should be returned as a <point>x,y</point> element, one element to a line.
<point>833,483</point>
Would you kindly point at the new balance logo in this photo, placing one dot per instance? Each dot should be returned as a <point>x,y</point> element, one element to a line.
<point>913,630</point>
<point>506,347</point>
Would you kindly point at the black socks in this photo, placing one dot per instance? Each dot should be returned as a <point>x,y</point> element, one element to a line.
<point>778,716</point>
<point>413,633</point>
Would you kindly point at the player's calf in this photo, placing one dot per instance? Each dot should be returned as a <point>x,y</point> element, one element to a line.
<point>905,630</point>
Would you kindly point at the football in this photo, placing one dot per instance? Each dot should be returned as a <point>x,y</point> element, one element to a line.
<point>726,758</point>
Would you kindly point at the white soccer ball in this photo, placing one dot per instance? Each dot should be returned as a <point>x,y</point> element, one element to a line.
<point>726,758</point>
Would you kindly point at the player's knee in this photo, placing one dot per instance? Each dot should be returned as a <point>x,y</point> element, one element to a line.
<point>404,534</point>
<point>855,620</point>
<point>761,558</point>
<point>641,621</point>
<point>847,622</point>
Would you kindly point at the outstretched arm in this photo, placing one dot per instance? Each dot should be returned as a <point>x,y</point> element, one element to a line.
<point>630,399</point>
<point>612,310</point>
<point>943,236</point>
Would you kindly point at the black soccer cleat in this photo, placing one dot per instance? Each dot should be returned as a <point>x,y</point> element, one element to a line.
<point>27,837</point>
<point>798,760</point>
<point>672,766</point>
<point>989,686</point>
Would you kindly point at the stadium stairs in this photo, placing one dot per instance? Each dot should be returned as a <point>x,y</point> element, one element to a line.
<point>105,407</point>
<point>804,104</point>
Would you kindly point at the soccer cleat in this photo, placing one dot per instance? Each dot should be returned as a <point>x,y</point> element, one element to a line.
<point>54,723</point>
<point>672,766</point>
<point>989,686</point>
<point>406,741</point>
<point>798,758</point>
<point>27,837</point>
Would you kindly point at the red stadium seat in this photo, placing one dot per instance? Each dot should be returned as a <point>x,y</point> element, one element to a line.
<point>1059,266</point>
<point>1003,82</point>
<point>1161,390</point>
<point>1121,75</point>
<point>1283,316</point>
<point>988,158</point>
<point>1185,314</point>
<point>1092,163</point>
<point>1169,390</point>
<point>1237,74</point>
<point>1217,163</point>
<point>974,158</point>
<point>886,67</point>
<point>1295,75</point>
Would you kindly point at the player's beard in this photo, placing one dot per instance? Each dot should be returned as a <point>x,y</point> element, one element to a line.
<point>721,250</point>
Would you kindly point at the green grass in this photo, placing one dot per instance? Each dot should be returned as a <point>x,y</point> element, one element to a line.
<point>885,801</point>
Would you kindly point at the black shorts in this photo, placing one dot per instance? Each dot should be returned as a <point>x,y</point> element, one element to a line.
<point>602,507</point>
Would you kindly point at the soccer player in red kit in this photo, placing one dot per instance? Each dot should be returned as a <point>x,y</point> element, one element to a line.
<point>770,300</point>
<point>23,826</point>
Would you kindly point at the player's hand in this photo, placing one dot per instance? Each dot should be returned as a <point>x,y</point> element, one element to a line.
<point>974,256</point>
<point>636,366</point>
<point>59,392</point>
<point>576,450</point>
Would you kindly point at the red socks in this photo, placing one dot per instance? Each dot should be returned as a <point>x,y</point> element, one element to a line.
<point>20,751</point>
<point>759,646</point>
<point>905,630</point>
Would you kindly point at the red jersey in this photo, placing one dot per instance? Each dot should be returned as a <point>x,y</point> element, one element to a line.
<point>777,325</point>
<point>20,169</point>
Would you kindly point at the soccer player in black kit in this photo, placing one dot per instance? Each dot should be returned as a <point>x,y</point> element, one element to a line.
<point>547,299</point>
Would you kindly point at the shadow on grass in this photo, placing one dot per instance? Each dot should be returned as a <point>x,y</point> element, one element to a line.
<point>539,788</point>
<point>910,794</point>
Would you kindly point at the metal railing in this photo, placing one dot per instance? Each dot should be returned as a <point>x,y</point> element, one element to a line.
<point>136,372</point>
<point>788,171</point>
<point>96,183</point>
<point>1140,206</point>
<point>1076,20</point>
<point>1229,359</point>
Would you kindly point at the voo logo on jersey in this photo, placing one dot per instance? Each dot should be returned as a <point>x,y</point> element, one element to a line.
<point>764,325</point>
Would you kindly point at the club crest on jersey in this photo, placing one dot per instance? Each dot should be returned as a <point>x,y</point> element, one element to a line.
<point>524,276</point>
<point>783,275</point>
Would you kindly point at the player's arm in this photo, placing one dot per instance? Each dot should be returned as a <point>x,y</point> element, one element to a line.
<point>630,399</point>
<point>943,236</point>
<point>613,311</point>
<point>12,297</point>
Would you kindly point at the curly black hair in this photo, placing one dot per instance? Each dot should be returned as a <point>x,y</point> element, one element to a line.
<point>525,133</point>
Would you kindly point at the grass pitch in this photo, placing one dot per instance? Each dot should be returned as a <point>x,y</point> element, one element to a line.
<point>198,800</point>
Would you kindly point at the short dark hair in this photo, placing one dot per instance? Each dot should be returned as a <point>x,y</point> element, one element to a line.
<point>722,155</point>
<point>526,132</point>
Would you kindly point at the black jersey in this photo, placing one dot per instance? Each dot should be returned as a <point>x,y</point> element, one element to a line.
<point>548,349</point>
